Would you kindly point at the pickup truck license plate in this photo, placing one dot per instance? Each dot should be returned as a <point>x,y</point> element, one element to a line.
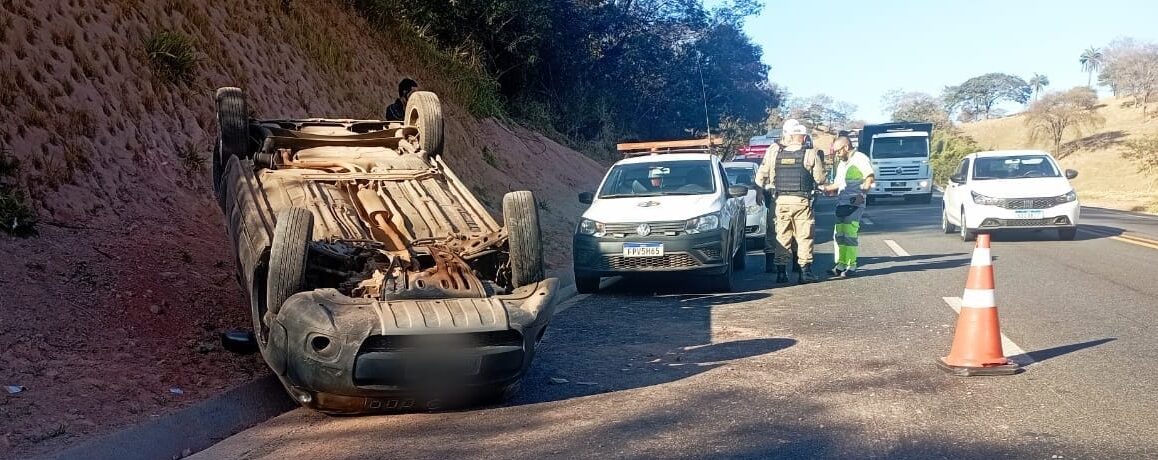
<point>642,249</point>
<point>1029,214</point>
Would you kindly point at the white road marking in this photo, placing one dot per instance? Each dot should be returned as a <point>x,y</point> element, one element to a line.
<point>897,249</point>
<point>1011,349</point>
<point>867,220</point>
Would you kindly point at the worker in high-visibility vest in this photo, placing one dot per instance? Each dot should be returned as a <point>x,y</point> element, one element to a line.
<point>854,177</point>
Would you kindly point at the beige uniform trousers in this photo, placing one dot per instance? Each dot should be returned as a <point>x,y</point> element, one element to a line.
<point>794,228</point>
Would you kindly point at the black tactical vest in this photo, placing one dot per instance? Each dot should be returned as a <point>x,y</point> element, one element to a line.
<point>792,176</point>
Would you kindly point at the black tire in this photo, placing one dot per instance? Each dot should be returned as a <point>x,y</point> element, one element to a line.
<point>233,127</point>
<point>288,256</point>
<point>925,199</point>
<point>723,281</point>
<point>1067,234</point>
<point>740,260</point>
<point>424,111</point>
<point>587,284</point>
<point>521,217</point>
<point>966,234</point>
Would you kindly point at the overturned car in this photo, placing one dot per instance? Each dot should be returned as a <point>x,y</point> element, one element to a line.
<point>376,281</point>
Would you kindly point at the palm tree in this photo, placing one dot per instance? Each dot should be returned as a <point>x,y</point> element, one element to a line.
<point>1091,60</point>
<point>1038,83</point>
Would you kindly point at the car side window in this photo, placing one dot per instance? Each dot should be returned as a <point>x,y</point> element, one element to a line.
<point>963,170</point>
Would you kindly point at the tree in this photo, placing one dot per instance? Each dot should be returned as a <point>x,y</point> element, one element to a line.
<point>821,110</point>
<point>1059,113</point>
<point>1144,153</point>
<point>946,149</point>
<point>916,106</point>
<point>980,94</point>
<point>1131,67</point>
<point>1038,83</point>
<point>1091,60</point>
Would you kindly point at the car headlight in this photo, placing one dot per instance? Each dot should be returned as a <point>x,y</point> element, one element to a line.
<point>1068,197</point>
<point>703,223</point>
<point>590,227</point>
<point>754,209</point>
<point>924,183</point>
<point>986,200</point>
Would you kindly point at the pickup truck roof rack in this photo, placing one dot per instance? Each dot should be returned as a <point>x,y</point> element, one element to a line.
<point>635,149</point>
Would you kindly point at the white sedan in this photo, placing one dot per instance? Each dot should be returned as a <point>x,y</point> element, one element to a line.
<point>1010,189</point>
<point>744,173</point>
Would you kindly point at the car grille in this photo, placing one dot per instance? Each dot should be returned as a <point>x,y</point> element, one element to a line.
<point>1030,203</point>
<point>649,263</point>
<point>891,172</point>
<point>751,228</point>
<point>657,228</point>
<point>711,254</point>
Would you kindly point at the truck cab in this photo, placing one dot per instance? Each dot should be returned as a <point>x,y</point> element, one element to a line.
<point>900,158</point>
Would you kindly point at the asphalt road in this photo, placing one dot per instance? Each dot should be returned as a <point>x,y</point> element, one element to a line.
<point>839,369</point>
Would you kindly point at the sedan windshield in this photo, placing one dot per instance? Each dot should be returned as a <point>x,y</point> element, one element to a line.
<point>687,177</point>
<point>1013,167</point>
<point>741,176</point>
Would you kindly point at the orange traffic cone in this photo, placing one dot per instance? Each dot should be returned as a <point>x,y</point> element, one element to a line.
<point>977,342</point>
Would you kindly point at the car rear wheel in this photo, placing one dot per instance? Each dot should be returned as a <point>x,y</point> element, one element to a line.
<point>233,127</point>
<point>1067,234</point>
<point>521,217</point>
<point>424,111</point>
<point>966,234</point>
<point>288,256</point>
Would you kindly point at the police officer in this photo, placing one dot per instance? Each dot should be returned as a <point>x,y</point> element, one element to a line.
<point>791,174</point>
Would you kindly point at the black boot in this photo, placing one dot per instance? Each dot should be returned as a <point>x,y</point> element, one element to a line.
<point>781,274</point>
<point>806,275</point>
<point>769,263</point>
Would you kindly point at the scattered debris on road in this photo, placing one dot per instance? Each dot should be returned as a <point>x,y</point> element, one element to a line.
<point>176,391</point>
<point>14,389</point>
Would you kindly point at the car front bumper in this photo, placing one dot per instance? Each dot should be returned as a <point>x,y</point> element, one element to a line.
<point>345,355</point>
<point>984,217</point>
<point>757,226</point>
<point>888,187</point>
<point>700,253</point>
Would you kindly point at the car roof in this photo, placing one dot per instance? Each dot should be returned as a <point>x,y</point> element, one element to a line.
<point>740,164</point>
<point>1008,153</point>
<point>666,157</point>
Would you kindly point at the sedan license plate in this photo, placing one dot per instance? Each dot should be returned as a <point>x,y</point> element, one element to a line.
<point>642,249</point>
<point>1029,214</point>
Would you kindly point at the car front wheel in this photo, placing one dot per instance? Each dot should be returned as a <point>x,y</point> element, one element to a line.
<point>966,234</point>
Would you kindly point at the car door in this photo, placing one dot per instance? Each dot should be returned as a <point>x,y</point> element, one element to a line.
<point>956,192</point>
<point>733,209</point>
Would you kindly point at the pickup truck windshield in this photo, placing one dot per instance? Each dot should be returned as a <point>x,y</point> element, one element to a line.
<point>900,147</point>
<point>687,177</point>
<point>1013,167</point>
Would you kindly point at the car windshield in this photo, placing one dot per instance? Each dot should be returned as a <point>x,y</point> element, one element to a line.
<point>686,177</point>
<point>1013,167</point>
<point>741,176</point>
<point>900,147</point>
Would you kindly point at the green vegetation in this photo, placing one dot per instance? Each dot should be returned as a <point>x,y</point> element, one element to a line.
<point>1144,152</point>
<point>591,72</point>
<point>977,96</point>
<point>171,56</point>
<point>1063,112</point>
<point>488,157</point>
<point>948,147</point>
<point>16,217</point>
<point>192,162</point>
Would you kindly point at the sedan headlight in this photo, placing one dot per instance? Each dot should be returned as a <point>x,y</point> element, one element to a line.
<point>703,223</point>
<point>590,227</point>
<point>754,209</point>
<point>1068,197</point>
<point>986,200</point>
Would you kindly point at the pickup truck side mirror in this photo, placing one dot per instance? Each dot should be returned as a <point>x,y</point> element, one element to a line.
<point>957,179</point>
<point>737,191</point>
<point>1071,174</point>
<point>586,197</point>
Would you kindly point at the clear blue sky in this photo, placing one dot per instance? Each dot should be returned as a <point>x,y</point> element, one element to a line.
<point>926,45</point>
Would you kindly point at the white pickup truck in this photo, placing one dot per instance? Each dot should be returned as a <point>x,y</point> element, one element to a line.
<point>662,212</point>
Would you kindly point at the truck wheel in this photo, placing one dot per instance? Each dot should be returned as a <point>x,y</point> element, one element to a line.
<point>587,284</point>
<point>233,127</point>
<point>424,111</point>
<point>521,217</point>
<point>288,255</point>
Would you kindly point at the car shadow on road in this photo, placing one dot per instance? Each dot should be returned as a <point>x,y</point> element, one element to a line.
<point>638,334</point>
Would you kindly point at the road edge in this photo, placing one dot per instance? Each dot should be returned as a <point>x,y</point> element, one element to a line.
<point>204,424</point>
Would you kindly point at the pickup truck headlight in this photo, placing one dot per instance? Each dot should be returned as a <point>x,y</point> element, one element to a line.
<point>1068,197</point>
<point>986,200</point>
<point>590,227</point>
<point>703,223</point>
<point>754,209</point>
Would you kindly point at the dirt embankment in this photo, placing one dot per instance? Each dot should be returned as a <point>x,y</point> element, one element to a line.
<point>110,315</point>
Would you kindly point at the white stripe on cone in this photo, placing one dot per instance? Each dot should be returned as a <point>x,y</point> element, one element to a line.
<point>981,257</point>
<point>978,298</point>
